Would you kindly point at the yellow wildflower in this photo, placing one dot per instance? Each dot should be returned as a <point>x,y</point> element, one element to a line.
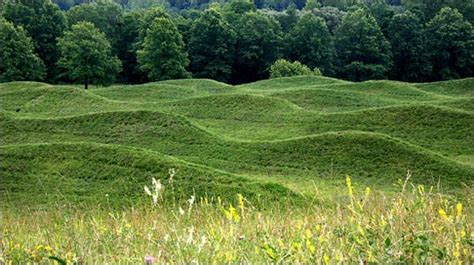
<point>349,185</point>
<point>443,215</point>
<point>458,210</point>
<point>326,259</point>
<point>241,203</point>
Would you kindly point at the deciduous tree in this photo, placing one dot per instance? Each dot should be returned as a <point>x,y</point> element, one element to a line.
<point>211,46</point>
<point>411,61</point>
<point>44,22</point>
<point>310,43</point>
<point>258,40</point>
<point>86,55</point>
<point>362,51</point>
<point>17,58</point>
<point>451,40</point>
<point>163,55</point>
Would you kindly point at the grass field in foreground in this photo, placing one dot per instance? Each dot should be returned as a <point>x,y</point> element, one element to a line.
<point>285,144</point>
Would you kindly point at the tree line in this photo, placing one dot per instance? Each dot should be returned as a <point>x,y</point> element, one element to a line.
<point>235,41</point>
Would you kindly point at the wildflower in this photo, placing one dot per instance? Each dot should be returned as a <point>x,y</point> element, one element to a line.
<point>443,215</point>
<point>241,203</point>
<point>147,191</point>
<point>321,239</point>
<point>157,188</point>
<point>326,259</point>
<point>458,211</point>
<point>349,185</point>
<point>149,260</point>
<point>296,246</point>
<point>191,200</point>
<point>317,228</point>
<point>232,214</point>
<point>310,246</point>
<point>421,189</point>
<point>48,249</point>
<point>181,211</point>
<point>157,184</point>
<point>171,173</point>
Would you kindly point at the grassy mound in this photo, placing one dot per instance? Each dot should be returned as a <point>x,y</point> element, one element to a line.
<point>113,175</point>
<point>324,155</point>
<point>57,101</point>
<point>289,130</point>
<point>164,91</point>
<point>291,82</point>
<point>462,87</point>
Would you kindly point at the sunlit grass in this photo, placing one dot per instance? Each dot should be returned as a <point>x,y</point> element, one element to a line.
<point>417,225</point>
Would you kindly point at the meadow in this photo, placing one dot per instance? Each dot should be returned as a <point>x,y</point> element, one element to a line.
<point>301,169</point>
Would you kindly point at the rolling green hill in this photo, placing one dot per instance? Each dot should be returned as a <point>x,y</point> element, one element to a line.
<point>275,139</point>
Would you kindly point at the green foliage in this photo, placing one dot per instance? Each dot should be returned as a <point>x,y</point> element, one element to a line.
<point>451,40</point>
<point>211,46</point>
<point>105,15</point>
<point>258,39</point>
<point>147,18</point>
<point>312,4</point>
<point>17,58</point>
<point>284,68</point>
<point>430,7</point>
<point>331,15</point>
<point>310,43</point>
<point>236,40</point>
<point>383,14</point>
<point>86,55</point>
<point>240,6</point>
<point>409,48</point>
<point>163,55</point>
<point>126,42</point>
<point>44,22</point>
<point>362,51</point>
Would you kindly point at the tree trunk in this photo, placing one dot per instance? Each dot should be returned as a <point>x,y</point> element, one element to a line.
<point>86,83</point>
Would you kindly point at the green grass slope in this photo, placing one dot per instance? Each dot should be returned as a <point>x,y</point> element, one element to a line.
<point>36,174</point>
<point>230,139</point>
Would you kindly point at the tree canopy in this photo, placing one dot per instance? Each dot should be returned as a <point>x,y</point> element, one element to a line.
<point>257,40</point>
<point>211,46</point>
<point>43,22</point>
<point>408,41</point>
<point>310,43</point>
<point>451,45</point>
<point>163,55</point>
<point>236,41</point>
<point>86,55</point>
<point>17,58</point>
<point>362,51</point>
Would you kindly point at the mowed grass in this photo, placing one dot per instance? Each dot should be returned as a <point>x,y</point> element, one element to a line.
<point>285,145</point>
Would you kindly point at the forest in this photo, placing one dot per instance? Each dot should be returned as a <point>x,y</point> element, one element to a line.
<point>237,41</point>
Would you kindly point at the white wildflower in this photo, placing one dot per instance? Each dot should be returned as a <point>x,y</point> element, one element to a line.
<point>147,191</point>
<point>191,200</point>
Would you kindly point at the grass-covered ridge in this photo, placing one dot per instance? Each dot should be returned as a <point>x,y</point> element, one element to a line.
<point>255,173</point>
<point>285,133</point>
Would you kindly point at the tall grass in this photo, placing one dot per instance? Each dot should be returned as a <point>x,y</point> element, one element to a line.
<point>417,225</point>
